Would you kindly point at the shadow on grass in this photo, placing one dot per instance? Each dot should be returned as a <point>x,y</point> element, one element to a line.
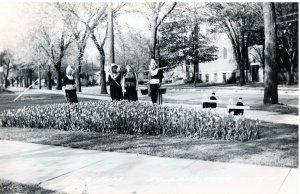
<point>278,145</point>
<point>7,100</point>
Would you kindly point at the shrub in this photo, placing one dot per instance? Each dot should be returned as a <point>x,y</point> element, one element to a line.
<point>133,118</point>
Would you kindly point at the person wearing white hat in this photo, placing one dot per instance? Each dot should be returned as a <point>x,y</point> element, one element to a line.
<point>114,81</point>
<point>69,86</point>
<point>155,81</point>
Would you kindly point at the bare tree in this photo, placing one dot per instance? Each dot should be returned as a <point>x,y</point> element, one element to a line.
<point>56,49</point>
<point>271,88</point>
<point>5,62</point>
<point>132,48</point>
<point>95,15</point>
<point>158,12</point>
<point>80,34</point>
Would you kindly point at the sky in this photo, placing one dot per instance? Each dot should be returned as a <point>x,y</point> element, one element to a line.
<point>16,20</point>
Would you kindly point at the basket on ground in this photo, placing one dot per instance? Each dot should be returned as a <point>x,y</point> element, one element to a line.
<point>163,90</point>
<point>144,91</point>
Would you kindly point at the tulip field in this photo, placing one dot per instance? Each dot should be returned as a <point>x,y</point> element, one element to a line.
<point>133,118</point>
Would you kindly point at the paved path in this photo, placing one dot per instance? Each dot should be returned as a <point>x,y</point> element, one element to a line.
<point>78,171</point>
<point>274,117</point>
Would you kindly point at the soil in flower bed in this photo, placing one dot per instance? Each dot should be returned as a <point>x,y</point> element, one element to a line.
<point>7,186</point>
<point>278,145</point>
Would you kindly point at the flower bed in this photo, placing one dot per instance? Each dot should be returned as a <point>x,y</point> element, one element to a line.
<point>133,118</point>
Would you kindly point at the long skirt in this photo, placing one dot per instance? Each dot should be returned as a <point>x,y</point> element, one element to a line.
<point>154,89</point>
<point>71,96</point>
<point>131,94</point>
<point>116,93</point>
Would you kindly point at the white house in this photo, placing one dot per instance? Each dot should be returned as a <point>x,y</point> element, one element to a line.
<point>222,69</point>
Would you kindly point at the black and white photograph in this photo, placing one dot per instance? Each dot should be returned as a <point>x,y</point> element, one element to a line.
<point>149,97</point>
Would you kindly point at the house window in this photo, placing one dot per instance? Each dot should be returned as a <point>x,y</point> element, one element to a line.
<point>225,53</point>
<point>224,77</point>
<point>200,77</point>
<point>215,77</point>
<point>206,77</point>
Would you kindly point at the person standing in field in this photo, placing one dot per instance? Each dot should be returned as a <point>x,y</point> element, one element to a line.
<point>114,81</point>
<point>69,86</point>
<point>130,84</point>
<point>155,81</point>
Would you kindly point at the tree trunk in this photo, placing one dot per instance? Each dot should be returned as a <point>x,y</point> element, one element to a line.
<point>26,79</point>
<point>78,71</point>
<point>196,46</point>
<point>103,89</point>
<point>5,82</point>
<point>153,38</point>
<point>39,77</point>
<point>271,82</point>
<point>21,81</point>
<point>100,49</point>
<point>49,82</point>
<point>78,81</point>
<point>245,64</point>
<point>6,77</point>
<point>290,75</point>
<point>30,77</point>
<point>111,34</point>
<point>242,75</point>
<point>59,77</point>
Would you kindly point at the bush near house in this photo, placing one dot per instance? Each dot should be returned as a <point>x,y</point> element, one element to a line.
<point>133,118</point>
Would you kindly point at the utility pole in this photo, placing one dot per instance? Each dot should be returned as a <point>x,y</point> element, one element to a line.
<point>111,33</point>
<point>39,75</point>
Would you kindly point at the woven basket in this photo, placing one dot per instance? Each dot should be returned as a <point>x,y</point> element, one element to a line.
<point>144,91</point>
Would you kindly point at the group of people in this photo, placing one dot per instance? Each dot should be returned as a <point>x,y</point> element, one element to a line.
<point>235,111</point>
<point>122,87</point>
<point>126,86</point>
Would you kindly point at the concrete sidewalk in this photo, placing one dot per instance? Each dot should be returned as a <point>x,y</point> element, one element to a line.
<point>87,171</point>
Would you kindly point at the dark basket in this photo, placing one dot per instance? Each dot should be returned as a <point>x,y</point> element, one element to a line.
<point>163,90</point>
<point>144,91</point>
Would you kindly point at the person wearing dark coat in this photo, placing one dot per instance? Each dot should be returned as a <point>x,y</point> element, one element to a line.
<point>69,86</point>
<point>155,81</point>
<point>239,103</point>
<point>130,85</point>
<point>114,81</point>
<point>213,97</point>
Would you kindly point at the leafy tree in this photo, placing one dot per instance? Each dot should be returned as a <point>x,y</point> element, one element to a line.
<point>181,40</point>
<point>287,40</point>
<point>5,63</point>
<point>239,21</point>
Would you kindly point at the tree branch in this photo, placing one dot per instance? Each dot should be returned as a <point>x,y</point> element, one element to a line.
<point>165,15</point>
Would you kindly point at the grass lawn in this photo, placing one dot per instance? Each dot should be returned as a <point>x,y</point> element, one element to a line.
<point>6,100</point>
<point>278,145</point>
<point>7,186</point>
